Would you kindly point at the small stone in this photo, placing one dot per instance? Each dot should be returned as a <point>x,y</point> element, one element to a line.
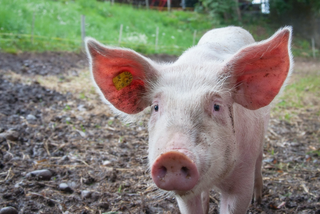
<point>95,196</point>
<point>81,108</point>
<point>43,174</point>
<point>106,163</point>
<point>31,117</point>
<point>80,118</point>
<point>85,194</point>
<point>11,134</point>
<point>73,185</point>
<point>8,210</point>
<point>65,158</point>
<point>7,157</point>
<point>65,188</point>
<point>268,160</point>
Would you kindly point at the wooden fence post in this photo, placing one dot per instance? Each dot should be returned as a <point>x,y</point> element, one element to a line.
<point>32,29</point>
<point>313,48</point>
<point>120,34</point>
<point>157,35</point>
<point>194,37</point>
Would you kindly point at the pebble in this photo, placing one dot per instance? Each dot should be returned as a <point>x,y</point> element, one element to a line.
<point>43,174</point>
<point>95,196</point>
<point>65,188</point>
<point>8,210</point>
<point>31,117</point>
<point>106,163</point>
<point>85,194</point>
<point>7,157</point>
<point>11,134</point>
<point>73,185</point>
<point>81,108</point>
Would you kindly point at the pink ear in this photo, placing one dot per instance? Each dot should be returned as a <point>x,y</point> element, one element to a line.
<point>259,70</point>
<point>121,76</point>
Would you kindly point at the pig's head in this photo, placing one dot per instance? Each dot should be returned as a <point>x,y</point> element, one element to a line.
<point>192,127</point>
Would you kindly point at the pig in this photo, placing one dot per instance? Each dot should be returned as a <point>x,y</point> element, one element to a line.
<point>209,111</point>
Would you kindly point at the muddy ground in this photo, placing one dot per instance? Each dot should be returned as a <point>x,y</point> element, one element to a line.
<point>52,120</point>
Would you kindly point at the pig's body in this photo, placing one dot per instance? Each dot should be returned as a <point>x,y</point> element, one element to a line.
<point>210,112</point>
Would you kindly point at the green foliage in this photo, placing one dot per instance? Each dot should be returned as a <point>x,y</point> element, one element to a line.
<point>297,94</point>
<point>283,6</point>
<point>67,108</point>
<point>220,9</point>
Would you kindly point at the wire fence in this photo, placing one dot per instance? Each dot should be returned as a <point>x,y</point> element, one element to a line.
<point>31,42</point>
<point>45,43</point>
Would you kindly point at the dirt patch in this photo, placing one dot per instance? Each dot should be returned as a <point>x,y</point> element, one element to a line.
<point>93,163</point>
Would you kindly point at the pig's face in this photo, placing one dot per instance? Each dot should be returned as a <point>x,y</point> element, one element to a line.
<point>196,120</point>
<point>198,132</point>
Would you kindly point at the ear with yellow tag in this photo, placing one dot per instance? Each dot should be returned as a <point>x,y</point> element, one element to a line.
<point>121,75</point>
<point>122,80</point>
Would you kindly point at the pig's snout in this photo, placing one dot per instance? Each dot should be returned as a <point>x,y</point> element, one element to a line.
<point>174,171</point>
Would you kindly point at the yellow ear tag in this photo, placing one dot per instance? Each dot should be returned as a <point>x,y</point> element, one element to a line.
<point>122,80</point>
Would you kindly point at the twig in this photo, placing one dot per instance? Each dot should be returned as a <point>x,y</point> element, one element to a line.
<point>8,174</point>
<point>305,188</point>
<point>37,194</point>
<point>46,145</point>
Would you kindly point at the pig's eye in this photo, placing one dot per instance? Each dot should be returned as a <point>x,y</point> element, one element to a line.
<point>216,107</point>
<point>156,108</point>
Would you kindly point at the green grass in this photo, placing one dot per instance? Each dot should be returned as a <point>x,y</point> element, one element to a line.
<point>57,26</point>
<point>298,94</point>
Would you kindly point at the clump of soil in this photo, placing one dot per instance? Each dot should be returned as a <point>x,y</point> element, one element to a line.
<point>62,154</point>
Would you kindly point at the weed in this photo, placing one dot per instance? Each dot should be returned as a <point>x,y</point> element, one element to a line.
<point>121,139</point>
<point>67,108</point>
<point>82,128</point>
<point>82,96</point>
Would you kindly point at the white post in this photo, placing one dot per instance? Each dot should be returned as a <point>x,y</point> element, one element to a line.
<point>120,33</point>
<point>32,29</point>
<point>83,28</point>
<point>313,48</point>
<point>157,35</point>
<point>194,37</point>
<point>183,4</point>
<point>169,5</point>
<point>112,2</point>
<point>147,4</point>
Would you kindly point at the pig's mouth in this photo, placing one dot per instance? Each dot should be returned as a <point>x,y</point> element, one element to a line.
<point>175,171</point>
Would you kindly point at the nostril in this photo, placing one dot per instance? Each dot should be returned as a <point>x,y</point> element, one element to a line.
<point>174,171</point>
<point>185,171</point>
<point>162,172</point>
